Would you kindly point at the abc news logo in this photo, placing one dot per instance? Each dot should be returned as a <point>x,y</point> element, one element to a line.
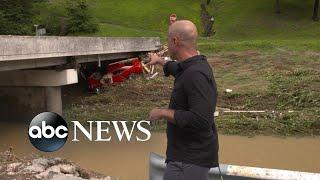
<point>48,131</point>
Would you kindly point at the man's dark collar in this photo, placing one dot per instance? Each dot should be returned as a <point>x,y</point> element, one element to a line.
<point>188,62</point>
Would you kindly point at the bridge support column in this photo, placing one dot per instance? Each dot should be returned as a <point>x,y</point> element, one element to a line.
<point>53,99</point>
<point>24,94</point>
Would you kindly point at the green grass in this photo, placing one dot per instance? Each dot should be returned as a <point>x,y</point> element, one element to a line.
<point>131,100</point>
<point>209,47</point>
<point>122,31</point>
<point>255,19</point>
<point>143,15</point>
<point>269,60</point>
<point>234,20</point>
<point>283,81</point>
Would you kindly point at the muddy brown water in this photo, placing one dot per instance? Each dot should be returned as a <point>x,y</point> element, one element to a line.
<point>129,160</point>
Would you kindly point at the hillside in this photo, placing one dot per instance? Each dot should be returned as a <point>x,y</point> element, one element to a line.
<point>269,60</point>
<point>234,20</point>
<point>284,82</point>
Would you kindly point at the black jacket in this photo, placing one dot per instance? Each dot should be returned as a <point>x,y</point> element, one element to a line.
<point>192,138</point>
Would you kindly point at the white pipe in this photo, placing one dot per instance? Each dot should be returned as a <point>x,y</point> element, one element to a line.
<point>157,167</point>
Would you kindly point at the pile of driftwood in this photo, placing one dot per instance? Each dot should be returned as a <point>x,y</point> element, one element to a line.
<point>162,52</point>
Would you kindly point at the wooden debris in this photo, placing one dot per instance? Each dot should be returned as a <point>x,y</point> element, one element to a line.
<point>145,68</point>
<point>153,76</point>
<point>243,111</point>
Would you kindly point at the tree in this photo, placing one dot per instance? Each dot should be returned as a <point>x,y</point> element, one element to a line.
<point>207,19</point>
<point>15,17</point>
<point>315,16</point>
<point>79,17</point>
<point>51,16</point>
<point>277,6</point>
<point>3,22</point>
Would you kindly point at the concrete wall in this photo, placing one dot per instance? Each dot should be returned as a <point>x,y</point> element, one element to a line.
<point>26,93</point>
<point>21,103</point>
<point>38,77</point>
<point>31,47</point>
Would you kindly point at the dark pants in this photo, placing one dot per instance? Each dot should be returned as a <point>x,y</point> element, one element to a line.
<point>183,171</point>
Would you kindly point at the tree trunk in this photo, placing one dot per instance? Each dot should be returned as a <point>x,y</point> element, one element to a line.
<point>315,16</point>
<point>277,6</point>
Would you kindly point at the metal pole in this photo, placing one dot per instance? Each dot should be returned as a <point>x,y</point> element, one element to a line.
<point>36,29</point>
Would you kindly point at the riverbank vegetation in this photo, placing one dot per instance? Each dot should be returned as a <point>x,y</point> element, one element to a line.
<point>269,60</point>
<point>280,78</point>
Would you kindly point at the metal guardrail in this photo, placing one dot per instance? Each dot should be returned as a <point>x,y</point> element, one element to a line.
<point>157,167</point>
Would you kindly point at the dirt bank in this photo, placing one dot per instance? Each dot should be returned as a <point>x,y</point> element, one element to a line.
<point>35,167</point>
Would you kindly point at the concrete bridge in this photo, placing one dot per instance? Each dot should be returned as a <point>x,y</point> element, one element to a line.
<point>33,69</point>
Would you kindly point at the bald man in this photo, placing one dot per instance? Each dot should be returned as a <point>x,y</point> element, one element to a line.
<point>192,140</point>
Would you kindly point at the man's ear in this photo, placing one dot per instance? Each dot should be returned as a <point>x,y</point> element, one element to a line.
<point>175,41</point>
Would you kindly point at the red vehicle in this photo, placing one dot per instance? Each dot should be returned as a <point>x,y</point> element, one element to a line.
<point>114,73</point>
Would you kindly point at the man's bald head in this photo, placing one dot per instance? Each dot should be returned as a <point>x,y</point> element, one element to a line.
<point>185,31</point>
<point>182,40</point>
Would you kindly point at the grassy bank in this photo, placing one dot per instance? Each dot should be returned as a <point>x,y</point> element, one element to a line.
<point>234,20</point>
<point>279,77</point>
<point>212,47</point>
<point>269,60</point>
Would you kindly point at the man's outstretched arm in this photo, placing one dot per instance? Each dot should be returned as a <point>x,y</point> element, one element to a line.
<point>169,67</point>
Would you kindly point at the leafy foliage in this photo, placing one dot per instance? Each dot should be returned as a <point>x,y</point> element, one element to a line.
<point>15,17</point>
<point>79,17</point>
<point>51,16</point>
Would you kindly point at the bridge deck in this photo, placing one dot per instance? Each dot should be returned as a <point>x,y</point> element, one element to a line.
<point>23,52</point>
